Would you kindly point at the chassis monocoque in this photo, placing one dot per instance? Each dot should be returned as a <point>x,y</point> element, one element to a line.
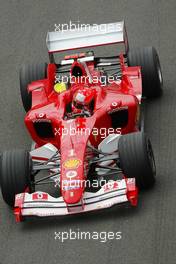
<point>92,157</point>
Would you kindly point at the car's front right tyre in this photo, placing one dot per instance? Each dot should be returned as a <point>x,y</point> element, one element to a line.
<point>15,174</point>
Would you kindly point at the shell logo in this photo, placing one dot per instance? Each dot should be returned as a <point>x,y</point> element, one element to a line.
<point>72,163</point>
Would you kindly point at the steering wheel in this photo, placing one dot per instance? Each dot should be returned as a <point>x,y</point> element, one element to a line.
<point>82,114</point>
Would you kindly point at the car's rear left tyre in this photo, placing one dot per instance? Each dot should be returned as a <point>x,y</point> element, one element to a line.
<point>28,74</point>
<point>147,58</point>
<point>15,174</point>
<point>137,159</point>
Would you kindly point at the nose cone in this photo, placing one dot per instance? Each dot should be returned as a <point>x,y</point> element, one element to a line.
<point>72,183</point>
<point>73,152</point>
<point>72,196</point>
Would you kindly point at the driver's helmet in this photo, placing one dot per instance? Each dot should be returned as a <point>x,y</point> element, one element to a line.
<point>83,98</point>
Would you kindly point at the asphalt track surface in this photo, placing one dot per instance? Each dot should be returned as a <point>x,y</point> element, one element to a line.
<point>149,231</point>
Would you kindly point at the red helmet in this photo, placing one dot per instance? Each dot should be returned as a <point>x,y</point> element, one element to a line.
<point>83,98</point>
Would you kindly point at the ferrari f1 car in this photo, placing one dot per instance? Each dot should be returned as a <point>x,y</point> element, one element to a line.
<point>85,118</point>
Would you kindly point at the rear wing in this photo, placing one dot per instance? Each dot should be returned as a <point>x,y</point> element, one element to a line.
<point>87,36</point>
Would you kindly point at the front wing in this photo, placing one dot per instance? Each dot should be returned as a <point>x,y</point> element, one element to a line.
<point>42,204</point>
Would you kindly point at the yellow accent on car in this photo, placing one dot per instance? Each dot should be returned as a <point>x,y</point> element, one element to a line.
<point>72,163</point>
<point>60,87</point>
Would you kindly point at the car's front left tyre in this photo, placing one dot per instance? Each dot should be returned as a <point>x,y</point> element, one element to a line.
<point>137,159</point>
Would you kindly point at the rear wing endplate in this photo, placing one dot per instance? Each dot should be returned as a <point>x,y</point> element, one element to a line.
<point>87,36</point>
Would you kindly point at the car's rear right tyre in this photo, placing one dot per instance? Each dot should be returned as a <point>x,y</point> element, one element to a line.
<point>137,159</point>
<point>15,174</point>
<point>28,74</point>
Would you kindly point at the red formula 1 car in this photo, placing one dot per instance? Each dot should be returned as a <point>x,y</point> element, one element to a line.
<point>85,117</point>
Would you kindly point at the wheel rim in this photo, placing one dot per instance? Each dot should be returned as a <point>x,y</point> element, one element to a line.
<point>151,157</point>
<point>160,77</point>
